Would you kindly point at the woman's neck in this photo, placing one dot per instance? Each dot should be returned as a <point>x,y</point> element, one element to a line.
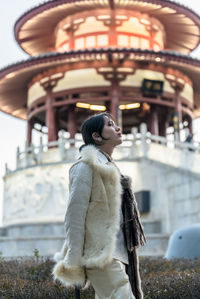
<point>107,150</point>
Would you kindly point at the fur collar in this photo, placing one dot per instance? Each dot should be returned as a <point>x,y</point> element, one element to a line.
<point>90,154</point>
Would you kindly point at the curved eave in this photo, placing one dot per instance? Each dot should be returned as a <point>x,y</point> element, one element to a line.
<point>14,78</point>
<point>34,37</point>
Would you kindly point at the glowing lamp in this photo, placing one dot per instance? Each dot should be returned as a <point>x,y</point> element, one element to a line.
<point>129,106</point>
<point>97,107</point>
<point>91,107</point>
<point>83,105</point>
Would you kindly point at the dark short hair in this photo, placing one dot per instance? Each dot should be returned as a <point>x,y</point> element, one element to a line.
<point>93,124</point>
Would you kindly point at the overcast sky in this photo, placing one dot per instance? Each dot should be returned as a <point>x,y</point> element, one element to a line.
<point>12,130</point>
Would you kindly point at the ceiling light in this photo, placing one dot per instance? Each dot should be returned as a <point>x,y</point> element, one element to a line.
<point>122,107</point>
<point>133,106</point>
<point>129,106</point>
<point>97,107</point>
<point>83,105</point>
<point>91,107</point>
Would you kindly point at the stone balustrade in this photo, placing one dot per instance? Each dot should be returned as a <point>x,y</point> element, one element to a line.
<point>67,149</point>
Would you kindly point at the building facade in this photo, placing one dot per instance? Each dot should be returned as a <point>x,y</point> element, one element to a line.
<point>130,58</point>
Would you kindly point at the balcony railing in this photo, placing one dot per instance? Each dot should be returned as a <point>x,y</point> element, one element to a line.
<point>67,149</point>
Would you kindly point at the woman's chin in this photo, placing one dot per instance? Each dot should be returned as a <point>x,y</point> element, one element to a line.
<point>119,141</point>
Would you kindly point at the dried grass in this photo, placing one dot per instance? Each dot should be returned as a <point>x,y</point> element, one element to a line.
<point>31,278</point>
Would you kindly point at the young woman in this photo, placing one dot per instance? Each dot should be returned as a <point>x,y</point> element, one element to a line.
<point>103,229</point>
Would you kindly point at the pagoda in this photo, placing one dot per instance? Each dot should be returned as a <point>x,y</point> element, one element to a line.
<point>130,58</point>
<point>126,57</point>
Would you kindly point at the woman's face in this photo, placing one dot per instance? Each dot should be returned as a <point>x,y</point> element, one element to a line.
<point>112,132</point>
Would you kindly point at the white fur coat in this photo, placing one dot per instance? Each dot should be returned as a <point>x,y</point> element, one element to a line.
<point>92,218</point>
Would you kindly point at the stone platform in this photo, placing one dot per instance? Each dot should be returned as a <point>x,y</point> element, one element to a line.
<point>36,192</point>
<point>48,238</point>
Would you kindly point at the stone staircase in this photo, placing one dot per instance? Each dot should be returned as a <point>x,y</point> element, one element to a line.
<point>47,238</point>
<point>156,241</point>
<point>21,239</point>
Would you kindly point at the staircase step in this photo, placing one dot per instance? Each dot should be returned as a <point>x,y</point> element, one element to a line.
<point>156,245</point>
<point>151,227</point>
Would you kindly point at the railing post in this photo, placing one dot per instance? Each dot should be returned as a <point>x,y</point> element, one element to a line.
<point>144,145</point>
<point>26,154</point>
<point>134,132</point>
<point>17,158</point>
<point>33,155</point>
<point>39,156</point>
<point>134,148</point>
<point>6,169</point>
<point>61,145</point>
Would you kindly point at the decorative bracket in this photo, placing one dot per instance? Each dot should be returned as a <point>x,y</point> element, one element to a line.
<point>50,81</point>
<point>176,83</point>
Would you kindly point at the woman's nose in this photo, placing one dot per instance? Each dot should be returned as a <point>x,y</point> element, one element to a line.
<point>117,128</point>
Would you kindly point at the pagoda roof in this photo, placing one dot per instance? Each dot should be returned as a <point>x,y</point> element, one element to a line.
<point>15,78</point>
<point>34,30</point>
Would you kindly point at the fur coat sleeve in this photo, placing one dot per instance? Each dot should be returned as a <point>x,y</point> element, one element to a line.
<point>69,259</point>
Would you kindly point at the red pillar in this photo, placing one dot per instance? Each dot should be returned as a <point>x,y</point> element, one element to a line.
<point>71,38</point>
<point>115,103</point>
<point>163,128</point>
<point>190,125</point>
<point>178,113</point>
<point>71,123</point>
<point>50,118</point>
<point>112,31</point>
<point>163,124</point>
<point>29,133</point>
<point>178,107</point>
<point>154,128</point>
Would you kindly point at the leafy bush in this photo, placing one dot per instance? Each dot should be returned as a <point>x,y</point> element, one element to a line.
<point>31,278</point>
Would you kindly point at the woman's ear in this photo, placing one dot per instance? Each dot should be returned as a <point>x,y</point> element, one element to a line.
<point>96,137</point>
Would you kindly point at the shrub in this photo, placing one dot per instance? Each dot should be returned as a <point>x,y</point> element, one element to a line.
<point>31,278</point>
<point>178,278</point>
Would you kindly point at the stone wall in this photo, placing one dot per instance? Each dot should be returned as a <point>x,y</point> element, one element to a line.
<point>175,194</point>
<point>36,194</point>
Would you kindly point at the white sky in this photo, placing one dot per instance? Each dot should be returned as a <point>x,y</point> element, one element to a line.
<point>12,130</point>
